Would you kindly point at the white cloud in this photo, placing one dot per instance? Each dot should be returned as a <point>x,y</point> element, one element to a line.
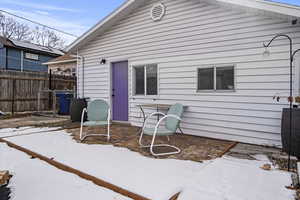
<point>42,12</point>
<point>38,6</point>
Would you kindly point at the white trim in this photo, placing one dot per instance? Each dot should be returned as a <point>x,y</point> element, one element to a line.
<point>268,6</point>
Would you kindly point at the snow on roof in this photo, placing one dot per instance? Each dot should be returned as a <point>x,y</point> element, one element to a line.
<point>36,47</point>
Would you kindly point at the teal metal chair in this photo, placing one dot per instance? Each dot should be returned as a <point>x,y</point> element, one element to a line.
<point>172,120</point>
<point>98,114</point>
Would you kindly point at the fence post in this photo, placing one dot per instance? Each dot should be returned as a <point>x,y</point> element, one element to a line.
<point>50,88</point>
<point>13,97</point>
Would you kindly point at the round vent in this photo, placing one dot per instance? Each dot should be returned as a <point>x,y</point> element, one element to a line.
<point>158,11</point>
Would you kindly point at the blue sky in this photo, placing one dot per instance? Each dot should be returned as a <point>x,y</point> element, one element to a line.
<point>73,16</point>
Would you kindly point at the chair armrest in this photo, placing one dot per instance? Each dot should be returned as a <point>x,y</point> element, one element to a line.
<point>165,117</point>
<point>171,116</point>
<point>151,115</point>
<point>156,113</point>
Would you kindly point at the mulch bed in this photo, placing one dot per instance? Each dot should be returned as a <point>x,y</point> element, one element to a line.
<point>193,148</point>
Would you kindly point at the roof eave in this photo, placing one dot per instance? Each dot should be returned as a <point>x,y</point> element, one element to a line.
<point>287,10</point>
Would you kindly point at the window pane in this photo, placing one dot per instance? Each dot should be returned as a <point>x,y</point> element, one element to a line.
<point>139,80</point>
<point>152,80</point>
<point>206,79</point>
<point>225,78</point>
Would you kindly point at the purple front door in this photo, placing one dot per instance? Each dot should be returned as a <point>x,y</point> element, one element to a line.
<point>120,91</point>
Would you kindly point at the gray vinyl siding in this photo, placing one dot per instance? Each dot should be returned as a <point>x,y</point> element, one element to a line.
<point>195,34</point>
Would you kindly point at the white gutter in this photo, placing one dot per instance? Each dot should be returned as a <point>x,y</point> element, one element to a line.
<point>77,74</point>
<point>264,5</point>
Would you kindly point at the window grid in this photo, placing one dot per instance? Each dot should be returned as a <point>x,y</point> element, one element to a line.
<point>145,80</point>
<point>215,80</point>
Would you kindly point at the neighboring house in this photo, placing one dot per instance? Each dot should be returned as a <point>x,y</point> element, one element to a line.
<point>204,54</point>
<point>24,56</point>
<point>63,65</point>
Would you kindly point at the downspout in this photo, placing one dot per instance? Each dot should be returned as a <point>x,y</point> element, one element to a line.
<point>80,61</point>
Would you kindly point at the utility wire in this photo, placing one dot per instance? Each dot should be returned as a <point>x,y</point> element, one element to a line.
<point>38,23</point>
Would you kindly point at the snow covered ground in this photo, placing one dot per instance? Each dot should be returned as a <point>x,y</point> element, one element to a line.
<point>225,178</point>
<point>36,180</point>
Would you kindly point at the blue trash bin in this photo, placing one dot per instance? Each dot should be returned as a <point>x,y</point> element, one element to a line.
<point>64,103</point>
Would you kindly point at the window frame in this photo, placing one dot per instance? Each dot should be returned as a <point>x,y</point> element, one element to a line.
<point>215,90</point>
<point>133,67</point>
<point>29,53</point>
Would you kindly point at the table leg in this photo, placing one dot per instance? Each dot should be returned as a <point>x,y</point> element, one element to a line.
<point>144,118</point>
<point>157,110</point>
<point>180,130</point>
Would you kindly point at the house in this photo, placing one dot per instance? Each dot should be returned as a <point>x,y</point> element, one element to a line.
<point>24,56</point>
<point>63,65</point>
<point>205,54</point>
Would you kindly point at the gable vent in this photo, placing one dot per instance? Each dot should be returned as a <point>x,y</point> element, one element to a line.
<point>158,11</point>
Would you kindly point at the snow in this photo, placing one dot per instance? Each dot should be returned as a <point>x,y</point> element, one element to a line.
<point>36,180</point>
<point>225,178</point>
<point>10,132</point>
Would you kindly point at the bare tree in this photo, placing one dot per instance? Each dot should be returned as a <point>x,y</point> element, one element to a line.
<point>21,32</point>
<point>7,26</point>
<point>45,37</point>
<point>12,29</point>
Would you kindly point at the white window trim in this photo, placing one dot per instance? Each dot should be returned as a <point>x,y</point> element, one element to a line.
<point>28,53</point>
<point>215,78</point>
<point>145,80</point>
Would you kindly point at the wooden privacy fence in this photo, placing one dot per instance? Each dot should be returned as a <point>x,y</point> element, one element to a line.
<point>19,90</point>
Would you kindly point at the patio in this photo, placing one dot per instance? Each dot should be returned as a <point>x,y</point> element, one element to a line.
<point>123,163</point>
<point>193,148</point>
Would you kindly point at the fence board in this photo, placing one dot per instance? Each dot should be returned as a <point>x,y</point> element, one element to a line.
<point>23,97</point>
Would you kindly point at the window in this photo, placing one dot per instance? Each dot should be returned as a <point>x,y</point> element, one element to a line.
<point>31,56</point>
<point>145,79</point>
<point>216,78</point>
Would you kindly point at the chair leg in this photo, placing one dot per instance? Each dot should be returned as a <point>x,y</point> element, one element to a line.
<point>88,135</point>
<point>141,138</point>
<point>152,146</point>
<point>108,132</point>
<point>80,134</point>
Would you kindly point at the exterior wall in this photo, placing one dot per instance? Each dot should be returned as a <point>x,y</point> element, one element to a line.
<point>2,57</point>
<point>194,34</point>
<point>14,61</point>
<point>33,65</point>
